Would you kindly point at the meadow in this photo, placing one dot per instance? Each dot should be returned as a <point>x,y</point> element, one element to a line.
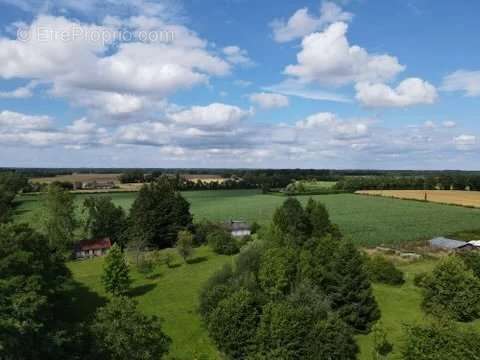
<point>172,294</point>
<point>366,220</point>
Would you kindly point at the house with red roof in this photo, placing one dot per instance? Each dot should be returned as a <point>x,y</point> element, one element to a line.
<point>93,247</point>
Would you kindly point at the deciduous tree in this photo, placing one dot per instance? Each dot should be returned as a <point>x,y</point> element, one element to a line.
<point>158,214</point>
<point>122,332</point>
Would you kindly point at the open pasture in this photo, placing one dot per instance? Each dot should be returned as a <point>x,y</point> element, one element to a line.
<point>454,197</point>
<point>366,220</point>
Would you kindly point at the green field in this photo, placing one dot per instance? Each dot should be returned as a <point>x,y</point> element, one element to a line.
<point>366,220</point>
<point>172,294</point>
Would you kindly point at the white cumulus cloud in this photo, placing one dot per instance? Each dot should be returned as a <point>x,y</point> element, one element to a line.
<point>216,115</point>
<point>327,58</point>
<point>463,80</point>
<point>302,23</point>
<point>269,100</point>
<point>411,91</point>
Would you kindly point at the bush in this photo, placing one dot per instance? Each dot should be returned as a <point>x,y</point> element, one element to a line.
<point>215,289</point>
<point>145,266</point>
<point>381,270</point>
<point>255,227</point>
<point>452,290</point>
<point>222,242</point>
<point>472,261</point>
<point>419,279</point>
<point>440,341</point>
<point>202,230</point>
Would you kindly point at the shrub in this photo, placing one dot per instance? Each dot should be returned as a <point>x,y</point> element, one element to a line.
<point>440,341</point>
<point>419,279</point>
<point>185,244</point>
<point>215,289</point>
<point>145,266</point>
<point>472,261</point>
<point>452,290</point>
<point>381,270</point>
<point>202,230</point>
<point>222,242</point>
<point>254,227</point>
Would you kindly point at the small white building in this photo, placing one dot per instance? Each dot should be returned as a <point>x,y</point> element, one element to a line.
<point>238,228</point>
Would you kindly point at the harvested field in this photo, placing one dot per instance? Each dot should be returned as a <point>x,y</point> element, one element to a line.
<point>77,178</point>
<point>455,197</point>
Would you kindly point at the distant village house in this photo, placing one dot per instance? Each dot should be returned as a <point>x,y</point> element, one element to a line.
<point>91,248</point>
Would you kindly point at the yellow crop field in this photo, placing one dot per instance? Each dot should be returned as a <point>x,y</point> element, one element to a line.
<point>456,197</point>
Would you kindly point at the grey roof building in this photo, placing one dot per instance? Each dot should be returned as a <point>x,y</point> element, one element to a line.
<point>238,228</point>
<point>449,244</point>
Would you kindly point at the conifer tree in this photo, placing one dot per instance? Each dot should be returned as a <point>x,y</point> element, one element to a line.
<point>115,278</point>
<point>319,218</point>
<point>351,292</point>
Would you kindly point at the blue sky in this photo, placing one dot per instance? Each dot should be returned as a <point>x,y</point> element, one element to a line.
<point>239,83</point>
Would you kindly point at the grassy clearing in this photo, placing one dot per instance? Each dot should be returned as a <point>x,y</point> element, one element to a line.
<point>366,220</point>
<point>170,293</point>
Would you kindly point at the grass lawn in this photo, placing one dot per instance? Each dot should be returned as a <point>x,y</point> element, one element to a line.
<point>170,293</point>
<point>366,220</point>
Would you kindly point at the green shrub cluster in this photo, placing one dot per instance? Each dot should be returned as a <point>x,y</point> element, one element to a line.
<point>452,290</point>
<point>382,270</point>
<point>222,242</point>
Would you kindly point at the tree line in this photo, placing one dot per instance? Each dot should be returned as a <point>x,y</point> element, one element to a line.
<point>432,182</point>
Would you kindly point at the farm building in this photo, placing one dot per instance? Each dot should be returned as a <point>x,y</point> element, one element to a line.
<point>450,244</point>
<point>238,228</point>
<point>93,247</point>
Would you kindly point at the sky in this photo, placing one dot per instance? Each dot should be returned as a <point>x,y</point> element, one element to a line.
<point>365,84</point>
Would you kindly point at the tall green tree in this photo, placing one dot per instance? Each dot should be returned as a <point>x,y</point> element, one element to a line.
<point>233,322</point>
<point>10,184</point>
<point>302,327</point>
<point>351,292</point>
<point>32,285</point>
<point>116,277</point>
<point>104,219</point>
<point>58,217</point>
<point>158,214</point>
<point>122,332</point>
<point>292,222</point>
<point>318,217</point>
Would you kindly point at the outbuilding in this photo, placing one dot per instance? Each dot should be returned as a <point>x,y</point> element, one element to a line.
<point>238,228</point>
<point>450,244</point>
